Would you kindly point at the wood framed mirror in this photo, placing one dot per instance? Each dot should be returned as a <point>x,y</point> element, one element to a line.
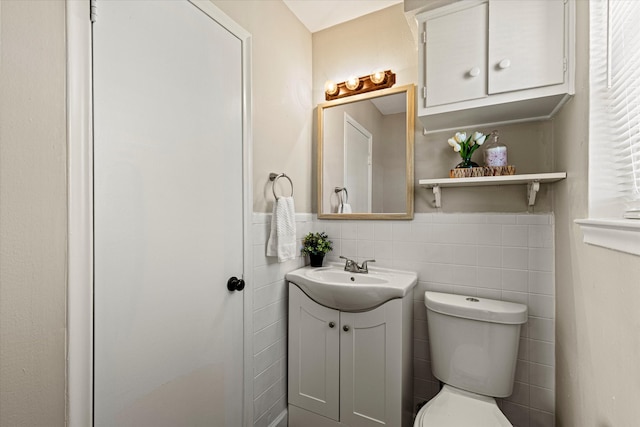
<point>365,155</point>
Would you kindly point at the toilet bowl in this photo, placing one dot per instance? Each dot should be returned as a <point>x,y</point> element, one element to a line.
<point>453,407</point>
<point>474,347</point>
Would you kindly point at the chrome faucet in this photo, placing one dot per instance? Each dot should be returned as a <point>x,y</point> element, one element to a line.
<point>353,267</point>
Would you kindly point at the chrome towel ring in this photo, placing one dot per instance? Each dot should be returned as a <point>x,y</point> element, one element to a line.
<point>275,177</point>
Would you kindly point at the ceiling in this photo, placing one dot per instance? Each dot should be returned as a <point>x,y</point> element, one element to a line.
<point>391,104</point>
<point>317,15</point>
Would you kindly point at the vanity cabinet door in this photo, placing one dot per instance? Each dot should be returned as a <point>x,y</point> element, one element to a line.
<point>371,364</point>
<point>526,44</point>
<point>314,339</point>
<point>456,56</point>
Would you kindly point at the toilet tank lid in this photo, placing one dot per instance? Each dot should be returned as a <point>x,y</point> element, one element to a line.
<point>474,308</point>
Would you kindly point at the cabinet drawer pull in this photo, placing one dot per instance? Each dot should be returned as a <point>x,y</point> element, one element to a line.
<point>332,324</point>
<point>505,63</point>
<point>474,72</point>
<point>345,328</point>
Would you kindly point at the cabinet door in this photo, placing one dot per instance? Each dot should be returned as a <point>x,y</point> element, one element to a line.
<point>371,366</point>
<point>526,44</point>
<point>456,56</point>
<point>313,355</point>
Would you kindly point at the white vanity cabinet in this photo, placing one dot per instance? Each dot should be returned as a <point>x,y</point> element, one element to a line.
<point>495,61</point>
<point>314,349</point>
<point>349,369</point>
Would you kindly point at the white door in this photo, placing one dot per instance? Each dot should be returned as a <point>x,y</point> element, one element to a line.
<point>168,217</point>
<point>358,144</point>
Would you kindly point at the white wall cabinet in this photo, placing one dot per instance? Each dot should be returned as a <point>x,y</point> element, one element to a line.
<point>495,61</point>
<point>349,369</point>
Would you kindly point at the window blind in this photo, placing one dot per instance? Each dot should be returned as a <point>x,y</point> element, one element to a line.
<point>614,113</point>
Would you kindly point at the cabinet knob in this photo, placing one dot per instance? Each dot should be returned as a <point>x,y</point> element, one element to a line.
<point>505,63</point>
<point>332,324</point>
<point>345,328</point>
<point>474,72</point>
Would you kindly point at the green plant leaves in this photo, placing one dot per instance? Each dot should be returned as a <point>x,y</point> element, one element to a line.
<point>316,244</point>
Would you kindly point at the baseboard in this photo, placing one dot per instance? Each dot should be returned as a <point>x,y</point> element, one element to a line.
<point>281,420</point>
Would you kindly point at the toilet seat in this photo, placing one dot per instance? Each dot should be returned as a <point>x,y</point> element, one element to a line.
<point>453,407</point>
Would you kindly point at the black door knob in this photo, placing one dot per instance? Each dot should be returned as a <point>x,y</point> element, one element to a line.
<point>235,284</point>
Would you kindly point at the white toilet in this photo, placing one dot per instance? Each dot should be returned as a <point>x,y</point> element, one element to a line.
<point>474,347</point>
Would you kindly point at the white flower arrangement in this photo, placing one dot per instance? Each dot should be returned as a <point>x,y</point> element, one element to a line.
<point>466,145</point>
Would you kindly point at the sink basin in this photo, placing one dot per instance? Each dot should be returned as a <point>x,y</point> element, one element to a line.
<point>333,287</point>
<point>329,275</point>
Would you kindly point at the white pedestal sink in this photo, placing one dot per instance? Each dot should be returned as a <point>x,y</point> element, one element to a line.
<point>333,287</point>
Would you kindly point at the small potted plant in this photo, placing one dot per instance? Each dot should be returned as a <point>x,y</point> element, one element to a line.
<point>316,245</point>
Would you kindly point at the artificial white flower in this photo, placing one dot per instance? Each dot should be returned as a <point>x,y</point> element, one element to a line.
<point>466,146</point>
<point>460,137</point>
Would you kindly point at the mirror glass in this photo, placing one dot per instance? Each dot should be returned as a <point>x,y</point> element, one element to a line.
<point>365,155</point>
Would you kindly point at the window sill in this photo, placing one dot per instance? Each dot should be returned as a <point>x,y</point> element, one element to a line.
<point>617,234</point>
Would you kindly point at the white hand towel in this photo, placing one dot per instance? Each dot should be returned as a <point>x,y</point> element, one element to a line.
<point>345,208</point>
<point>282,239</point>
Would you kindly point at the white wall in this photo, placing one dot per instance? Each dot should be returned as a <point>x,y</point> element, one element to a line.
<point>393,153</point>
<point>32,213</point>
<point>282,105</point>
<point>270,321</point>
<point>597,289</point>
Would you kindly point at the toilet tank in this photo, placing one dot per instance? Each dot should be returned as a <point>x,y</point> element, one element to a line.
<point>474,341</point>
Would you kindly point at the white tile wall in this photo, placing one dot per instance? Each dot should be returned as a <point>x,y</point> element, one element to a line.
<point>270,323</point>
<point>501,256</point>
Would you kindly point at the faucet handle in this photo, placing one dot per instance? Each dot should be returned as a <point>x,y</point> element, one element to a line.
<point>349,263</point>
<point>364,264</point>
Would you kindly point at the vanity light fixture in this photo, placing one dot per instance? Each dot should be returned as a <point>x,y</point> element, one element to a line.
<point>352,83</point>
<point>331,88</point>
<point>378,77</point>
<point>357,85</point>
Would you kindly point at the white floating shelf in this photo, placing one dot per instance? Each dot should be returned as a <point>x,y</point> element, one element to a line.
<point>533,182</point>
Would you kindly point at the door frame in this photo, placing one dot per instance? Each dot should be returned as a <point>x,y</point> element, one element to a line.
<point>79,107</point>
<point>350,121</point>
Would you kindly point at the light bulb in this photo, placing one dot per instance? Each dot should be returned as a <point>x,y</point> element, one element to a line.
<point>378,77</point>
<point>330,87</point>
<point>352,83</point>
